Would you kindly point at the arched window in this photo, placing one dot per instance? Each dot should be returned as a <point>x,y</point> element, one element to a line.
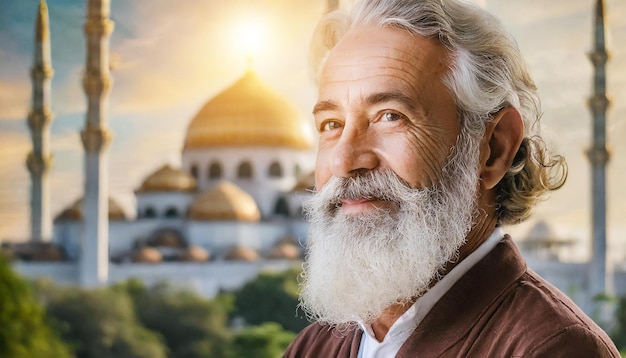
<point>194,171</point>
<point>282,207</point>
<point>276,171</point>
<point>215,170</point>
<point>150,212</point>
<point>245,170</point>
<point>171,212</point>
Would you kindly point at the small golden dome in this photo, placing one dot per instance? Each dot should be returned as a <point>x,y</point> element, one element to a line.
<point>240,253</point>
<point>33,251</point>
<point>225,202</point>
<point>285,251</point>
<point>248,113</point>
<point>147,254</point>
<point>75,211</point>
<point>194,254</point>
<point>167,178</point>
<point>49,253</point>
<point>166,237</point>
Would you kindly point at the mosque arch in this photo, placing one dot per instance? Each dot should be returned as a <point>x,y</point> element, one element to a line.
<point>150,212</point>
<point>276,171</point>
<point>215,170</point>
<point>281,207</point>
<point>171,212</point>
<point>194,171</point>
<point>244,171</point>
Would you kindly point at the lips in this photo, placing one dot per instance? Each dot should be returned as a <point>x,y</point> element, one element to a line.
<point>364,205</point>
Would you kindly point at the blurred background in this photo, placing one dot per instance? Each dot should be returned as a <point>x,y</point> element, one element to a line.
<point>168,60</point>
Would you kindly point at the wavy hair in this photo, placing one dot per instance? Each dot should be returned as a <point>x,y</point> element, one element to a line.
<point>487,73</point>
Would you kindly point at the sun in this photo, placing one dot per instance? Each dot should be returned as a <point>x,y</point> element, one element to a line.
<point>250,37</point>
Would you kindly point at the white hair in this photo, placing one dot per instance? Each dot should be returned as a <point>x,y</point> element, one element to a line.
<point>487,74</point>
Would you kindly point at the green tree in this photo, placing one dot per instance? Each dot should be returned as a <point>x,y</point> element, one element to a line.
<point>268,340</point>
<point>618,334</point>
<point>271,297</point>
<point>24,328</point>
<point>102,324</point>
<point>192,326</point>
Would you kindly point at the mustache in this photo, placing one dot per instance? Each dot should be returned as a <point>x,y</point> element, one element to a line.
<point>371,185</point>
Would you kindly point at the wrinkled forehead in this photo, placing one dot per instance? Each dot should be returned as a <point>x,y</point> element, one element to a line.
<point>369,51</point>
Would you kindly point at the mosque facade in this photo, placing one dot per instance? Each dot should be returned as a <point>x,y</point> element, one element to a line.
<point>232,209</point>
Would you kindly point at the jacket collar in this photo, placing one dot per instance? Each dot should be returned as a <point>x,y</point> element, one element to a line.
<point>453,316</point>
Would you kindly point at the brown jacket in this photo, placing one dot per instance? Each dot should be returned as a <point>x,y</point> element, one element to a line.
<point>499,308</point>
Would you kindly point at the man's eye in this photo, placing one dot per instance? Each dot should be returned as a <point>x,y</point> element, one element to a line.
<point>330,125</point>
<point>391,116</point>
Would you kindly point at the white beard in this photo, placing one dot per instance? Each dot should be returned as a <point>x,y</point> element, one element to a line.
<point>359,265</point>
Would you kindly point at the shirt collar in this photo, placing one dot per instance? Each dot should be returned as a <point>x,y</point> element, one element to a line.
<point>405,324</point>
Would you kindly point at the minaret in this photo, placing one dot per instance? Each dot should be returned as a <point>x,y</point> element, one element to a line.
<point>94,261</point>
<point>39,159</point>
<point>600,279</point>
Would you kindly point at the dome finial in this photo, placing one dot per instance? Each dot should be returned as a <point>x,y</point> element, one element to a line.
<point>249,63</point>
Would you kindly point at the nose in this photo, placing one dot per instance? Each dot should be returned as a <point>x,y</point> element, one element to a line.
<point>353,153</point>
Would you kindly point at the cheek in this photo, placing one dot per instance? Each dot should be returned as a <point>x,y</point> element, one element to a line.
<point>418,158</point>
<point>322,169</point>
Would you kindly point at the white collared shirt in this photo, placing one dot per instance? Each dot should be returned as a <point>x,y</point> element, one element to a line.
<point>406,324</point>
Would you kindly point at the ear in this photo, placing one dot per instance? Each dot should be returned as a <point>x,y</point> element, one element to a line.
<point>503,137</point>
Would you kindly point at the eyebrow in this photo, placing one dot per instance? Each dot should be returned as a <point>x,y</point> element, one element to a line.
<point>328,105</point>
<point>383,97</point>
<point>375,98</point>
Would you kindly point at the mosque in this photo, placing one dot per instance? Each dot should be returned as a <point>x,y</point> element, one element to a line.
<point>231,210</point>
<point>246,165</point>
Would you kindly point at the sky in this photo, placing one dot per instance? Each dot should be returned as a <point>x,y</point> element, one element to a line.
<point>169,57</point>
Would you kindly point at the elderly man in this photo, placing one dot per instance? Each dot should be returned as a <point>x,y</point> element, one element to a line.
<point>427,121</point>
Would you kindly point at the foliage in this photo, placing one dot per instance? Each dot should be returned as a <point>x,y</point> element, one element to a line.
<point>191,326</point>
<point>102,324</point>
<point>271,297</point>
<point>24,329</point>
<point>618,334</point>
<point>268,340</point>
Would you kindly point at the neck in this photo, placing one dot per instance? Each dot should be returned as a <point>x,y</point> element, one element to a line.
<point>388,318</point>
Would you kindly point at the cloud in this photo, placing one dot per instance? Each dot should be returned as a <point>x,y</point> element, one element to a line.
<point>14,100</point>
<point>185,53</point>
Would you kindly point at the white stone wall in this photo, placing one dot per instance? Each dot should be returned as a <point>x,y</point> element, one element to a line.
<point>160,202</point>
<point>208,279</point>
<point>122,234</point>
<point>264,189</point>
<point>65,273</point>
<point>220,236</point>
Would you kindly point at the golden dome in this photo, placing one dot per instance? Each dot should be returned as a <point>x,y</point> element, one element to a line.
<point>147,255</point>
<point>240,253</point>
<point>285,251</point>
<point>248,113</point>
<point>167,178</point>
<point>32,251</point>
<point>75,211</point>
<point>225,202</point>
<point>166,237</point>
<point>194,254</point>
<point>49,253</point>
